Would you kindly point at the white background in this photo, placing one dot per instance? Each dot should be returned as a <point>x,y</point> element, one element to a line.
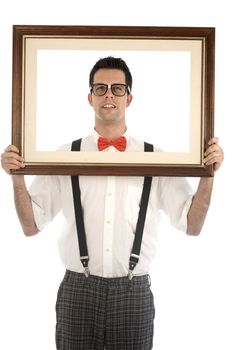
<point>192,276</point>
<point>63,76</point>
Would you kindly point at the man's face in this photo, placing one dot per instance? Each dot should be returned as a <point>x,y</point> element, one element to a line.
<point>109,109</point>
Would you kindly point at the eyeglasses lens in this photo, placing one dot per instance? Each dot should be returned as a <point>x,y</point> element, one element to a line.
<point>117,89</point>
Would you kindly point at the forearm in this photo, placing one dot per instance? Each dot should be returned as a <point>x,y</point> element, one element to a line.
<point>199,207</point>
<point>23,206</point>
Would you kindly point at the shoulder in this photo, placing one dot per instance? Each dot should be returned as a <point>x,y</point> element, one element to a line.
<point>65,147</point>
<point>137,145</point>
<point>88,143</point>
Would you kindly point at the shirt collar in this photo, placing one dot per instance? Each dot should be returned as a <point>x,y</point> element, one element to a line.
<point>96,136</point>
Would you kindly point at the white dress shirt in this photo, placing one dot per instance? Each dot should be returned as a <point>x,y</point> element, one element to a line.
<point>110,206</point>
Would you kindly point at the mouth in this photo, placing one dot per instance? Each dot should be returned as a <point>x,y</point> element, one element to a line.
<point>108,106</point>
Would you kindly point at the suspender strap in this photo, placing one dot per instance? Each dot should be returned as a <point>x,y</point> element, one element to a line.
<point>134,257</point>
<point>79,215</point>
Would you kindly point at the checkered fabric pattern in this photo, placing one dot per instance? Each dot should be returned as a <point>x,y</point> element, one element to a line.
<point>104,313</point>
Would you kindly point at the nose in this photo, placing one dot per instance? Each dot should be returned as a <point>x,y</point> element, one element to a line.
<point>109,92</point>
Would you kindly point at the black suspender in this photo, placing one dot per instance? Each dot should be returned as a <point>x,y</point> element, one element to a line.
<point>134,257</point>
<point>79,215</point>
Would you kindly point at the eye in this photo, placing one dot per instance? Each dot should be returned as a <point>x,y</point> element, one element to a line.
<point>100,89</point>
<point>119,89</point>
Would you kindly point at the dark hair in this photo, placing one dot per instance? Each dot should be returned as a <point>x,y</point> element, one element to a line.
<point>111,63</point>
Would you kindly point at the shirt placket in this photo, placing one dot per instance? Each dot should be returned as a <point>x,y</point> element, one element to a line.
<point>109,227</point>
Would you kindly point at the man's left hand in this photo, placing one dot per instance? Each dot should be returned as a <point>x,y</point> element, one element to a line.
<point>214,154</point>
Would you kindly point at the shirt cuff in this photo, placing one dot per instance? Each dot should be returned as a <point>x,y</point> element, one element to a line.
<point>183,223</point>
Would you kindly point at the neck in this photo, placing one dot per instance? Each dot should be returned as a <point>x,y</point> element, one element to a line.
<point>110,132</point>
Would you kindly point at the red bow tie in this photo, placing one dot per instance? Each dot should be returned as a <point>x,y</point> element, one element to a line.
<point>119,143</point>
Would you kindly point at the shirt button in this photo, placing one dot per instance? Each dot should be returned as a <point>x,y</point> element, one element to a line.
<point>108,221</point>
<point>108,250</point>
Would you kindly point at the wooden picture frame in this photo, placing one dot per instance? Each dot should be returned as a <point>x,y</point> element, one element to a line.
<point>194,50</point>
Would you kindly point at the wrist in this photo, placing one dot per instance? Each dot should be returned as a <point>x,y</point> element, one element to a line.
<point>18,180</point>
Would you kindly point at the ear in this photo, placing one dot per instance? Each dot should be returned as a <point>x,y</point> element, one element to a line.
<point>129,100</point>
<point>90,99</point>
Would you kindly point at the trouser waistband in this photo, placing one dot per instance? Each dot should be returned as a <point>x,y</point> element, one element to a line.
<point>114,281</point>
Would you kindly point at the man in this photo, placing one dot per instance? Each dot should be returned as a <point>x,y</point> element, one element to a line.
<point>104,300</point>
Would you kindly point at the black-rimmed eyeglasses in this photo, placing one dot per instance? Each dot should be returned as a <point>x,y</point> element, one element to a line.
<point>117,89</point>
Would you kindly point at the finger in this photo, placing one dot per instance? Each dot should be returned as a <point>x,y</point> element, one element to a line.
<point>213,148</point>
<point>214,154</point>
<point>12,152</point>
<point>214,157</point>
<point>212,141</point>
<point>14,160</point>
<point>11,161</point>
<point>12,167</point>
<point>12,148</point>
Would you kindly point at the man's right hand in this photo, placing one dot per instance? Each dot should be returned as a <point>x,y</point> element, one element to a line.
<point>11,160</point>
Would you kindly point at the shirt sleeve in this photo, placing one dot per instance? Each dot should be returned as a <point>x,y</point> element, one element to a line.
<point>176,197</point>
<point>46,199</point>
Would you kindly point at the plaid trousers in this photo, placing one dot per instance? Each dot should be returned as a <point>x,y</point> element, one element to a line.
<point>96,313</point>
